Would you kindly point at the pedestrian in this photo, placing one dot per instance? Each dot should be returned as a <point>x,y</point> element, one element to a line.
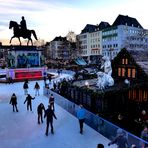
<point>49,78</point>
<point>29,102</point>
<point>13,101</point>
<point>25,87</point>
<point>49,114</point>
<point>47,89</point>
<point>54,86</point>
<point>37,88</point>
<point>100,145</point>
<point>51,101</point>
<point>44,76</point>
<point>120,140</point>
<point>81,117</point>
<point>144,136</point>
<point>40,110</point>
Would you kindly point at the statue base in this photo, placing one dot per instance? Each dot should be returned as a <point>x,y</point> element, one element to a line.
<point>24,57</point>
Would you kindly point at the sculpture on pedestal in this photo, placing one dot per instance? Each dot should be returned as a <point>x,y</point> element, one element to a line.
<point>21,31</point>
<point>104,78</point>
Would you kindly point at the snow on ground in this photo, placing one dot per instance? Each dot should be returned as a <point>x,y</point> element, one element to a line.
<point>20,130</point>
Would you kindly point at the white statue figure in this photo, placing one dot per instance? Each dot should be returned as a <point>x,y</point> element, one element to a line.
<point>106,65</point>
<point>104,78</point>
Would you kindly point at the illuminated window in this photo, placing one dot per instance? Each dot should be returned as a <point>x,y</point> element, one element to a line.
<point>129,72</point>
<point>122,61</point>
<point>119,71</point>
<point>133,73</point>
<point>126,61</point>
<point>145,96</point>
<point>123,72</point>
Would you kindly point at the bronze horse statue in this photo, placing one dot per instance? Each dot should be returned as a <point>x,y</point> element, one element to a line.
<point>17,31</point>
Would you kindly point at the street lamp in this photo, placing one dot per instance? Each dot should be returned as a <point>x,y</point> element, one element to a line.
<point>86,84</point>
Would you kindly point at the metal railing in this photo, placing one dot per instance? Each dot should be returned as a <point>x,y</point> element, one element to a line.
<point>104,127</point>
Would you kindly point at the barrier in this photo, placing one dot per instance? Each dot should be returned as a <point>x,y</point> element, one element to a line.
<point>104,127</point>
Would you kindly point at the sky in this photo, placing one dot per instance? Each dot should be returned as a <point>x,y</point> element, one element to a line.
<point>51,18</point>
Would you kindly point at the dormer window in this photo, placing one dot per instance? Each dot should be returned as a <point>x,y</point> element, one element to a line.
<point>125,61</point>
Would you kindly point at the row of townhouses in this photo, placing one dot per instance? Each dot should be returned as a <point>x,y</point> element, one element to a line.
<point>107,40</point>
<point>102,40</point>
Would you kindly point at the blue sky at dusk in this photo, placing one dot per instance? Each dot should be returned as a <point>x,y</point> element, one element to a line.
<point>50,18</point>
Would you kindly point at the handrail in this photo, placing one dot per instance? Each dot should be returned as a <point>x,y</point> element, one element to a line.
<point>98,123</point>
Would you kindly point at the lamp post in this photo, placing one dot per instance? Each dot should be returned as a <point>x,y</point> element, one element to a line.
<point>87,84</point>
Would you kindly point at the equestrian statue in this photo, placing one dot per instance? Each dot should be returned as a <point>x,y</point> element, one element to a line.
<point>21,31</point>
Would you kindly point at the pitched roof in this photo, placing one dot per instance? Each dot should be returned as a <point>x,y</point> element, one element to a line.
<point>126,20</point>
<point>89,28</point>
<point>141,58</point>
<point>103,25</point>
<point>59,38</point>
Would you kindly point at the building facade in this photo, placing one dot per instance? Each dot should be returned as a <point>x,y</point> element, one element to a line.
<point>124,32</point>
<point>107,40</point>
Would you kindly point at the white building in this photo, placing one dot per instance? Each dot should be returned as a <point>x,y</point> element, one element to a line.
<point>108,40</point>
<point>91,41</point>
<point>124,32</point>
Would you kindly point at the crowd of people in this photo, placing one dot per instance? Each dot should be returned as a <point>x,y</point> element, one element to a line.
<point>49,113</point>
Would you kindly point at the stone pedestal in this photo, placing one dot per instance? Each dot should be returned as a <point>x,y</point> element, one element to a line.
<point>24,57</point>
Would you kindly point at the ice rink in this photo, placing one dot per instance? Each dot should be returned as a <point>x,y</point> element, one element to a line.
<point>20,129</point>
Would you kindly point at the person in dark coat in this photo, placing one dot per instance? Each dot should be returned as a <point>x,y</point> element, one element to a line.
<point>13,101</point>
<point>49,114</point>
<point>40,110</point>
<point>25,87</point>
<point>81,117</point>
<point>120,140</point>
<point>29,101</point>
<point>51,101</point>
<point>37,88</point>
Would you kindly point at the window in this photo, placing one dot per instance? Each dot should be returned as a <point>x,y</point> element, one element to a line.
<point>122,61</point>
<point>129,73</point>
<point>145,95</point>
<point>134,94</point>
<point>123,72</point>
<point>119,71</point>
<point>133,73</point>
<point>126,61</point>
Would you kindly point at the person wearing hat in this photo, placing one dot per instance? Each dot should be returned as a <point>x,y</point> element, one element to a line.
<point>120,140</point>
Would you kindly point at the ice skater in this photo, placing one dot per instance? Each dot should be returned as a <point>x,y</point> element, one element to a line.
<point>40,110</point>
<point>25,87</point>
<point>37,88</point>
<point>81,117</point>
<point>29,102</point>
<point>49,114</point>
<point>51,101</point>
<point>13,101</point>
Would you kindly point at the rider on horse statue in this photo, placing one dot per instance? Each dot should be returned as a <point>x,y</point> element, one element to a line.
<point>23,26</point>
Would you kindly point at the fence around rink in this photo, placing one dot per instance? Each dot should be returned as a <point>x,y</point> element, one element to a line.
<point>104,127</point>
